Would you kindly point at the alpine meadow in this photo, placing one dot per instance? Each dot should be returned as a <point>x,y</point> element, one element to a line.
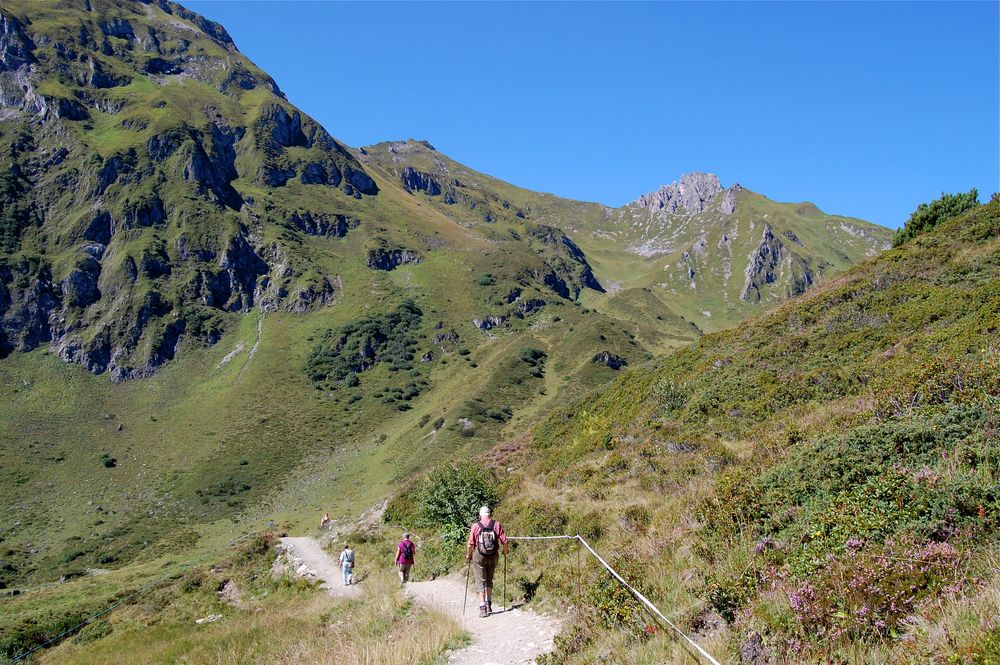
<point>777,426</point>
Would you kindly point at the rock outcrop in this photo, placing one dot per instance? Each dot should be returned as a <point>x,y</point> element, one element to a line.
<point>389,259</point>
<point>322,224</point>
<point>728,204</point>
<point>766,262</point>
<point>490,322</point>
<point>418,181</point>
<point>693,192</point>
<point>527,307</point>
<point>567,270</point>
<point>125,300</point>
<point>612,360</point>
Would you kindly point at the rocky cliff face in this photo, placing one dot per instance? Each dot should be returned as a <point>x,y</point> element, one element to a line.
<point>769,262</point>
<point>125,128</point>
<point>568,271</point>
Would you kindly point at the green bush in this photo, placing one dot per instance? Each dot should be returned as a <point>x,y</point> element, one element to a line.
<point>13,214</point>
<point>358,346</point>
<point>539,518</point>
<point>486,279</point>
<point>616,607</point>
<point>929,215</point>
<point>449,497</point>
<point>531,355</point>
<point>93,631</point>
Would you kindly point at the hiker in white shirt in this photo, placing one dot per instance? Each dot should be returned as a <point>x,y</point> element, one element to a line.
<point>347,564</point>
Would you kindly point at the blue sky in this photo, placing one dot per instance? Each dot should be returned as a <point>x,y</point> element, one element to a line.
<point>865,109</point>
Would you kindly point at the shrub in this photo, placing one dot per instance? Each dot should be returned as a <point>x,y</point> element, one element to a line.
<point>450,495</point>
<point>503,415</point>
<point>869,592</point>
<point>72,555</point>
<point>540,518</point>
<point>14,215</point>
<point>485,279</point>
<point>928,215</point>
<point>590,525</point>
<point>615,606</point>
<point>361,344</point>
<point>634,519</point>
<point>531,355</point>
<point>93,631</point>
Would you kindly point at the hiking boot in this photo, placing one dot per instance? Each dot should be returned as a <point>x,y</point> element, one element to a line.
<point>489,608</point>
<point>483,612</point>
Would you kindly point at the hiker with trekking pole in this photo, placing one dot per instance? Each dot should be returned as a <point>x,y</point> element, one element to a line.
<point>486,539</point>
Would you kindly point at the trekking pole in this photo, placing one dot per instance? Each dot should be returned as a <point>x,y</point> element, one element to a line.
<point>465,600</point>
<point>505,583</point>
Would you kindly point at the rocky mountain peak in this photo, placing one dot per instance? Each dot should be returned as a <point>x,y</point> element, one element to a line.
<point>404,147</point>
<point>693,192</point>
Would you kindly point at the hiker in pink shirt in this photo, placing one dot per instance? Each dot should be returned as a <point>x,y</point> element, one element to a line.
<point>404,557</point>
<point>486,539</point>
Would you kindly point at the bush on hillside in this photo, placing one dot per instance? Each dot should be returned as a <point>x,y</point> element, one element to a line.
<point>884,585</point>
<point>365,342</point>
<point>486,279</point>
<point>928,215</point>
<point>914,480</point>
<point>616,607</point>
<point>449,497</point>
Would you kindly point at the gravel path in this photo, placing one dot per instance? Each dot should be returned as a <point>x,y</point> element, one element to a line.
<point>310,560</point>
<point>512,637</point>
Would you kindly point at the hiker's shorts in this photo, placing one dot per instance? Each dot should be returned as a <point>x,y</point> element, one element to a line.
<point>484,567</point>
<point>404,571</point>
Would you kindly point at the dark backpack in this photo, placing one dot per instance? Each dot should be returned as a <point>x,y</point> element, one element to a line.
<point>407,550</point>
<point>486,541</point>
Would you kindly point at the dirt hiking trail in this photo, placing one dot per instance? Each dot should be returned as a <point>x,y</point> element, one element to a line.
<point>513,637</point>
<point>309,560</point>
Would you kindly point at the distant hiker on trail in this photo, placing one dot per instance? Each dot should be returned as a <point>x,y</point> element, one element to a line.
<point>404,557</point>
<point>347,564</point>
<point>486,538</point>
<point>325,522</point>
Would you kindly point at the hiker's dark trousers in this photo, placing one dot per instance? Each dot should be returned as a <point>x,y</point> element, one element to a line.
<point>484,567</point>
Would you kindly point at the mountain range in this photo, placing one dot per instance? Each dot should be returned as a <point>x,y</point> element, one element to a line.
<point>214,315</point>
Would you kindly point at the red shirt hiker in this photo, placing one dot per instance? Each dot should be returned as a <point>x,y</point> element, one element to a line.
<point>404,558</point>
<point>404,552</point>
<point>486,540</point>
<point>478,526</point>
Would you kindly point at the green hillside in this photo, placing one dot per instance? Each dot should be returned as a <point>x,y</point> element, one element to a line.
<point>821,483</point>
<point>214,316</point>
<point>692,249</point>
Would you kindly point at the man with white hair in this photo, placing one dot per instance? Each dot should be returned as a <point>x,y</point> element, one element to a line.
<point>486,539</point>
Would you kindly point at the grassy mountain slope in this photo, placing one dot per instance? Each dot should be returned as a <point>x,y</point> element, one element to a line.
<point>711,255</point>
<point>213,315</point>
<point>823,482</point>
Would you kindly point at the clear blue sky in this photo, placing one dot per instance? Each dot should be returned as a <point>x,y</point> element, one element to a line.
<point>864,109</point>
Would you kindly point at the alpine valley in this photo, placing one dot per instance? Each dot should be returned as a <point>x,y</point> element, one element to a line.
<point>217,319</point>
